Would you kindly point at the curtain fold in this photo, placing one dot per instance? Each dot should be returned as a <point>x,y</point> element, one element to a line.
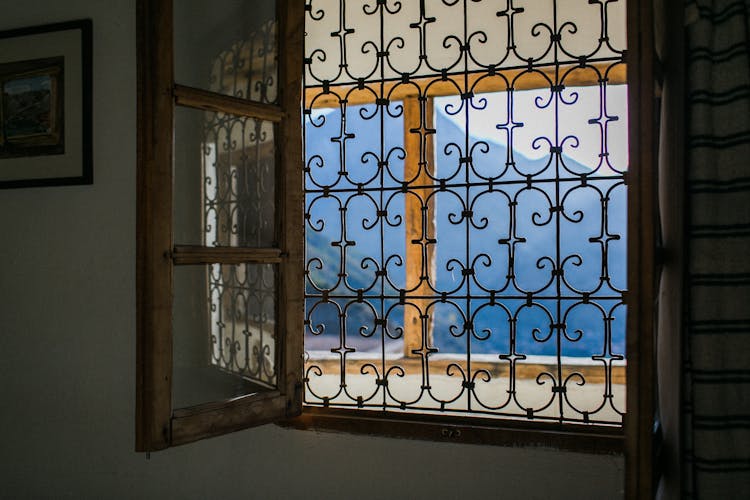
<point>716,381</point>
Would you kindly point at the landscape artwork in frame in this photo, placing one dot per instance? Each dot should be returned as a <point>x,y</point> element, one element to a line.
<point>32,120</point>
<point>45,105</point>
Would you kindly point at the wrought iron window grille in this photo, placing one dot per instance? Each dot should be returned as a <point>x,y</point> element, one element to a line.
<point>481,276</point>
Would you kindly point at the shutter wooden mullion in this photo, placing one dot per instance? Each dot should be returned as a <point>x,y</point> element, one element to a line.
<point>211,101</point>
<point>188,255</point>
<point>212,419</point>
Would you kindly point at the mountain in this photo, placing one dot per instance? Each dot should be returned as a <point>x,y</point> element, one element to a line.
<point>489,236</point>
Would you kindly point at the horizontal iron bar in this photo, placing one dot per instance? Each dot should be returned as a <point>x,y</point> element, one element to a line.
<point>496,185</point>
<point>451,296</point>
<point>473,411</point>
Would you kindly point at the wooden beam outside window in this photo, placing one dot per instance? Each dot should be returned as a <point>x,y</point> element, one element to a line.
<point>419,219</point>
<point>478,83</point>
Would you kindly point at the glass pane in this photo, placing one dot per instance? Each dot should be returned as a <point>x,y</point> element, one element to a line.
<point>224,332</point>
<point>228,47</point>
<point>224,180</point>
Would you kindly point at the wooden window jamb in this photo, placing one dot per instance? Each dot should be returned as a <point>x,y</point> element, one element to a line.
<point>639,418</point>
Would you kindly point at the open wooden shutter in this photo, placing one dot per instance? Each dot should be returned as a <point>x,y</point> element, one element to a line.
<point>219,222</point>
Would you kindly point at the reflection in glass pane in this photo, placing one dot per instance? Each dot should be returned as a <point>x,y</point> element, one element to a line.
<point>227,47</point>
<point>224,176</point>
<point>224,337</point>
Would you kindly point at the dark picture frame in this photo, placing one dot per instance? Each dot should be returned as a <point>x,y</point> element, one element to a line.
<point>45,105</point>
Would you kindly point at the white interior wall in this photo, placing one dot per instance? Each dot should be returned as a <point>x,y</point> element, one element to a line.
<point>67,353</point>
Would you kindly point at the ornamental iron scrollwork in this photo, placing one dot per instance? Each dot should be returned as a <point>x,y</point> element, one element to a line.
<point>465,184</point>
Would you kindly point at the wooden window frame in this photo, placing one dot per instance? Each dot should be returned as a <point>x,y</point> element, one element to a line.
<point>643,274</point>
<point>638,73</point>
<point>158,424</point>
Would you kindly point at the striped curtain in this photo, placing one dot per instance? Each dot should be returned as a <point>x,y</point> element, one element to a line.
<point>716,399</point>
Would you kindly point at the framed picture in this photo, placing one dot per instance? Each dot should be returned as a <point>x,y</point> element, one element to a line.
<point>45,105</point>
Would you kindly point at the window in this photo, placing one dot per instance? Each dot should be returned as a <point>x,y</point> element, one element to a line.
<point>225,292</point>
